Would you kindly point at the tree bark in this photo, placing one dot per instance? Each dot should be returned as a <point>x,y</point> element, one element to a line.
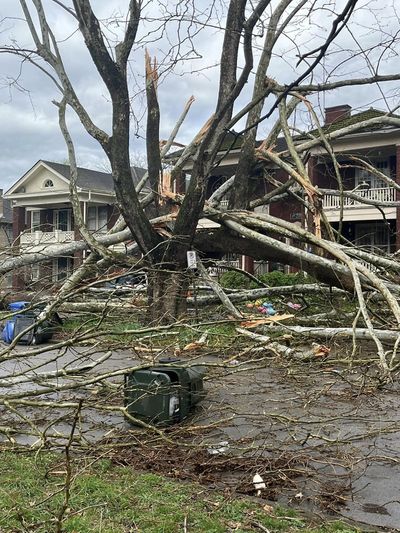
<point>167,293</point>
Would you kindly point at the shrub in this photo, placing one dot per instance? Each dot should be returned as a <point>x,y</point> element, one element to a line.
<point>234,280</point>
<point>276,278</point>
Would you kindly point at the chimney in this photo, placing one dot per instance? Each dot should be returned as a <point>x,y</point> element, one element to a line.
<point>338,112</point>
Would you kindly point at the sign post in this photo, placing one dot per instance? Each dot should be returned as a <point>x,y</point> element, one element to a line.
<point>192,266</point>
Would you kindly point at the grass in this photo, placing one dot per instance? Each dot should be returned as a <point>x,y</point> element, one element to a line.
<point>116,325</point>
<point>111,499</point>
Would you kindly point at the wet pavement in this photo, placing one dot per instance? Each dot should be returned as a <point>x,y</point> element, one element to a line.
<point>337,441</point>
<point>345,444</point>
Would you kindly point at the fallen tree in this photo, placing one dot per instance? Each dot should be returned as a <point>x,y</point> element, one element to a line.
<point>161,244</point>
<point>165,256</point>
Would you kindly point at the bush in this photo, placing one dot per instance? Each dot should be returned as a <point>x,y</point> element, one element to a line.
<point>277,278</point>
<point>234,280</point>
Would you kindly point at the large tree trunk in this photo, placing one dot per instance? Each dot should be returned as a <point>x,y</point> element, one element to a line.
<point>167,295</point>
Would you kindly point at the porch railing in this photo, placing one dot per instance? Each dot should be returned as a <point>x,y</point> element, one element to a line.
<point>46,237</point>
<point>260,267</point>
<point>384,194</point>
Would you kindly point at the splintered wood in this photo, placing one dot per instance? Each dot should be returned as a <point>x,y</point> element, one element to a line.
<point>264,320</point>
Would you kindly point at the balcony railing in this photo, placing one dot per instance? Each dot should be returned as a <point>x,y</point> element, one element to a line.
<point>384,194</point>
<point>46,237</point>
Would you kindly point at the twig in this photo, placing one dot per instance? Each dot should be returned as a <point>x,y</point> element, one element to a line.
<point>260,526</point>
<point>68,468</point>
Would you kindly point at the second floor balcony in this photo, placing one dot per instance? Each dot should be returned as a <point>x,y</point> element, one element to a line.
<point>37,237</point>
<point>382,194</point>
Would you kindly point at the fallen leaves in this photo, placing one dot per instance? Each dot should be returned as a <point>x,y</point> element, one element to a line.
<point>321,350</point>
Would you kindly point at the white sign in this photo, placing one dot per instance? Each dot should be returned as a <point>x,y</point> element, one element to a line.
<point>191,259</point>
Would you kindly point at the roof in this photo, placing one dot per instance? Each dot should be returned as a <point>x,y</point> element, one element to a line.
<point>233,141</point>
<point>93,179</point>
<point>355,119</point>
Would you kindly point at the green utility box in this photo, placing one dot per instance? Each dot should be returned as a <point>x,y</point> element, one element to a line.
<point>163,394</point>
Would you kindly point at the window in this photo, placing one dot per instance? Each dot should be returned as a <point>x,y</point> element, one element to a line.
<point>35,220</point>
<point>48,184</point>
<point>62,219</point>
<point>35,273</point>
<point>62,268</point>
<point>97,218</point>
<point>363,176</point>
<point>373,236</point>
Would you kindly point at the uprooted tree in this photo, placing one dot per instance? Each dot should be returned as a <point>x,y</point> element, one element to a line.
<point>252,35</point>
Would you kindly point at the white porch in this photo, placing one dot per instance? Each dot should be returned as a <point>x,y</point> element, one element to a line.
<point>354,210</point>
<point>38,237</point>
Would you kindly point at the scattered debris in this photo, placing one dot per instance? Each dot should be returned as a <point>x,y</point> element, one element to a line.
<point>258,483</point>
<point>219,447</point>
<point>259,321</point>
<point>294,306</point>
<point>375,508</point>
<point>196,344</point>
<point>269,509</point>
<point>281,349</point>
<point>255,336</point>
<point>267,309</point>
<point>320,350</point>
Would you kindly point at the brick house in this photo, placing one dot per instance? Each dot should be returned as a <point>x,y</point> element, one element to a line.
<point>373,228</point>
<point>379,146</point>
<point>42,214</point>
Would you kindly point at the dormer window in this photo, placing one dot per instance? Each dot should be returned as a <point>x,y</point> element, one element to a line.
<point>48,184</point>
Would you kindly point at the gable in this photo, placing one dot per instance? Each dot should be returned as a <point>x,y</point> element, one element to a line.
<point>39,179</point>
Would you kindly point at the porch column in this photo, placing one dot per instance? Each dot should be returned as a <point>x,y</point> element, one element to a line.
<point>313,175</point>
<point>247,264</point>
<point>18,223</point>
<point>397,198</point>
<point>19,214</point>
<point>78,256</point>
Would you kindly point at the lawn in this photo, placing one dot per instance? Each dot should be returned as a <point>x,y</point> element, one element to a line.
<point>107,498</point>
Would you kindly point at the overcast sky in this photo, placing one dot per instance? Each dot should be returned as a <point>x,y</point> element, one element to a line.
<point>28,118</point>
